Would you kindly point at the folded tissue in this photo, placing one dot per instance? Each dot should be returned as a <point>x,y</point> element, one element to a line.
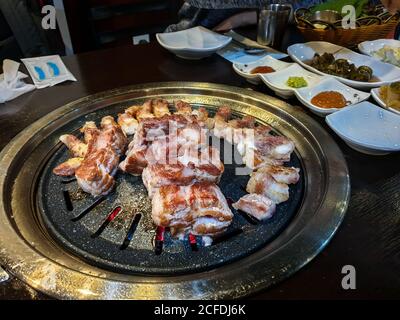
<point>11,84</point>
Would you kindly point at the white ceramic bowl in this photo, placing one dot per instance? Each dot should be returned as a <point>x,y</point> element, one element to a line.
<point>368,47</point>
<point>386,73</point>
<point>377,97</point>
<point>305,95</point>
<point>277,81</point>
<point>195,43</point>
<point>367,128</point>
<point>243,69</point>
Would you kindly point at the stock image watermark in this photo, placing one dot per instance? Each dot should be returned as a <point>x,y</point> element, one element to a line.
<point>349,280</point>
<point>49,21</point>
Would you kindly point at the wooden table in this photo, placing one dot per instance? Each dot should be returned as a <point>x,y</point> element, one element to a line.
<point>368,239</point>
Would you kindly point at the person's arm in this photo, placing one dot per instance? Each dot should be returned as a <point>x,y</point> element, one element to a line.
<point>238,20</point>
<point>391,5</point>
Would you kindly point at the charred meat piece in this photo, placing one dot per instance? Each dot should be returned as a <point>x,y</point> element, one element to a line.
<point>188,167</point>
<point>110,136</point>
<point>90,132</point>
<point>75,146</point>
<point>263,183</point>
<point>259,148</point>
<point>200,209</point>
<point>282,174</point>
<point>95,174</point>
<point>167,133</point>
<point>68,168</point>
<point>183,108</point>
<point>274,147</point>
<point>128,123</point>
<point>222,129</point>
<point>256,205</point>
<point>160,108</point>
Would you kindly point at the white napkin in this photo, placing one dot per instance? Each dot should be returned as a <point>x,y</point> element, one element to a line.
<point>11,84</point>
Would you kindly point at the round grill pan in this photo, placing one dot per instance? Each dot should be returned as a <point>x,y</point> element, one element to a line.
<point>37,237</point>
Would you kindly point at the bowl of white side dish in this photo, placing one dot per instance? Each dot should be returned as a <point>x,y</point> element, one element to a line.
<point>385,50</point>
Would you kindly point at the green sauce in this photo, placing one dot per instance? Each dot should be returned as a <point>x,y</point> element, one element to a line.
<point>296,82</point>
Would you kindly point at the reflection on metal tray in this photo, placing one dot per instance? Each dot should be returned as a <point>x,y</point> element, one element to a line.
<point>37,235</point>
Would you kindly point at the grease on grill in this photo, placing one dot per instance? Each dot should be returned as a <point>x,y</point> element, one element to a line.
<point>78,194</point>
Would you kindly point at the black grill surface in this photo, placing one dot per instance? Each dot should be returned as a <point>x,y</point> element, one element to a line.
<point>242,238</point>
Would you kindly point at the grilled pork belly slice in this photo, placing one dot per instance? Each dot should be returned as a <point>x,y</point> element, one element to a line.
<point>200,209</point>
<point>183,108</point>
<point>203,166</point>
<point>75,146</point>
<point>263,183</point>
<point>282,174</point>
<point>111,136</point>
<point>222,129</point>
<point>167,134</point>
<point>90,132</point>
<point>259,148</point>
<point>256,205</point>
<point>160,107</point>
<point>68,168</point>
<point>128,123</point>
<point>275,147</point>
<point>95,175</point>
<point>99,159</point>
<point>145,112</point>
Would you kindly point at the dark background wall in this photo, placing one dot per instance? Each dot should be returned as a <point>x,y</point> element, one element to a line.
<point>97,24</point>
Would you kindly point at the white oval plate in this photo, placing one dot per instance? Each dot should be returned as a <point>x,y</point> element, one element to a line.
<point>305,95</point>
<point>377,97</point>
<point>367,128</point>
<point>277,81</point>
<point>194,43</point>
<point>369,47</point>
<point>243,69</point>
<point>303,53</point>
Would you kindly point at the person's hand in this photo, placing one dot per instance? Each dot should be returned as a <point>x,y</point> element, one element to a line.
<point>238,20</point>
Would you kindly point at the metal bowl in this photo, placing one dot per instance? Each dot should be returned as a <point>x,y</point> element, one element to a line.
<point>28,250</point>
<point>329,16</point>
